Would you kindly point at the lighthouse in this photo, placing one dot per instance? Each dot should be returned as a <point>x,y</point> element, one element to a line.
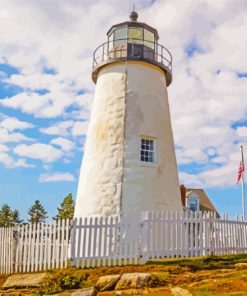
<point>129,162</point>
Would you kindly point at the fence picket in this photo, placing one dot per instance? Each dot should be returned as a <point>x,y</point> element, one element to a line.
<point>62,243</point>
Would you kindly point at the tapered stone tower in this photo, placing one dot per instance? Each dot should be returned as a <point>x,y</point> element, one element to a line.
<point>129,163</point>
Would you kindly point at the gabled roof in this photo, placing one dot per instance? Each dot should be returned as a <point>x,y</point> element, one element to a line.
<point>205,201</point>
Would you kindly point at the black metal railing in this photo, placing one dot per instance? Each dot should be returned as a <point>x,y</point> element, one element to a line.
<point>132,49</point>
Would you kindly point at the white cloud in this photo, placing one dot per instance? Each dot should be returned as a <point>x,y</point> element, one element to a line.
<point>190,180</point>
<point>3,148</point>
<point>79,128</point>
<point>211,151</point>
<point>6,159</point>
<point>60,128</point>
<point>22,163</point>
<point>6,137</point>
<point>242,131</point>
<point>56,177</point>
<point>10,163</point>
<point>12,123</point>
<point>219,159</point>
<point>48,105</point>
<point>43,152</point>
<point>65,144</point>
<point>187,156</point>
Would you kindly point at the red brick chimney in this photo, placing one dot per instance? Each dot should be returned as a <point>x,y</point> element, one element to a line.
<point>183,194</point>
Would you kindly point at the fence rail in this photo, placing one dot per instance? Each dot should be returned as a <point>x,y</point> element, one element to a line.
<point>111,241</point>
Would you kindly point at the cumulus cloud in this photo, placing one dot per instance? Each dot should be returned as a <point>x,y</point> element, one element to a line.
<point>13,123</point>
<point>60,128</point>
<point>56,177</point>
<point>65,144</point>
<point>43,152</point>
<point>6,137</point>
<point>79,128</point>
<point>47,105</point>
<point>242,131</point>
<point>10,163</point>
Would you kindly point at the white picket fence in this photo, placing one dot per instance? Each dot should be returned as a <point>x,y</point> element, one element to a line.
<point>34,247</point>
<point>6,250</point>
<point>188,234</point>
<point>98,241</point>
<point>106,241</point>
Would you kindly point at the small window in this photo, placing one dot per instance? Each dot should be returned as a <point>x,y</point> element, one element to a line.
<point>193,204</point>
<point>148,150</point>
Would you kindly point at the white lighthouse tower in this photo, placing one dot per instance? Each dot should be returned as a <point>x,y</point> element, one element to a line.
<point>129,163</point>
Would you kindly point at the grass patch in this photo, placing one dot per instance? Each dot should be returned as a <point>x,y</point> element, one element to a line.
<point>202,263</point>
<point>158,279</point>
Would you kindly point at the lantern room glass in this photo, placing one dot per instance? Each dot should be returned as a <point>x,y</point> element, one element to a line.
<point>120,36</point>
<point>149,39</point>
<point>135,35</point>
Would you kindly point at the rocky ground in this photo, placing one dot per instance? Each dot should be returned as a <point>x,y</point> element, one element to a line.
<point>180,277</point>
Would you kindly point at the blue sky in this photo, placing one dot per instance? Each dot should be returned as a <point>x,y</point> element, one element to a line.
<point>46,92</point>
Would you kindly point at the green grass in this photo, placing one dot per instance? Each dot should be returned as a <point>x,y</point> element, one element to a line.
<point>202,263</point>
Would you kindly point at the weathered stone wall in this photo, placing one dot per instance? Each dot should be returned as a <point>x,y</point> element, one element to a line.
<point>99,188</point>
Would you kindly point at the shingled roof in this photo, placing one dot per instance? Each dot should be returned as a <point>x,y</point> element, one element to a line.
<point>205,202</point>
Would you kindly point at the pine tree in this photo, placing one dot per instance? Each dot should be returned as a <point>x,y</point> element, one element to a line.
<point>67,207</point>
<point>37,213</point>
<point>9,217</point>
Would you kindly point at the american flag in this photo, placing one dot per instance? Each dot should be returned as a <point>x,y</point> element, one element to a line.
<point>240,171</point>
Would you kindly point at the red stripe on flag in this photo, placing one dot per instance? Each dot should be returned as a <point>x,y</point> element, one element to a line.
<point>240,171</point>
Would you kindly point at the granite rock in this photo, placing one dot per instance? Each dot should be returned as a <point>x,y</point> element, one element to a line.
<point>133,281</point>
<point>24,280</point>
<point>107,282</point>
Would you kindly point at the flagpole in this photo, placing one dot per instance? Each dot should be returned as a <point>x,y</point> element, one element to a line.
<point>243,185</point>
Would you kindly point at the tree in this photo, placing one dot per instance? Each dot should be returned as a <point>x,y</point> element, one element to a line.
<point>37,213</point>
<point>9,217</point>
<point>67,207</point>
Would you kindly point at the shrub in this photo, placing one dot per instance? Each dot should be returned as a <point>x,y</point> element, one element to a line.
<point>61,280</point>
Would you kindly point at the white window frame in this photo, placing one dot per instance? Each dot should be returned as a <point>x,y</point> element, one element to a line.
<point>147,150</point>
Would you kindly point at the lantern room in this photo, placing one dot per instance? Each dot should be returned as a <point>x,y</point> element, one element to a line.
<point>133,40</point>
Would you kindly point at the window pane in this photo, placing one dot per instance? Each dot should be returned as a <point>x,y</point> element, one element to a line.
<point>120,34</point>
<point>110,40</point>
<point>148,39</point>
<point>193,204</point>
<point>147,150</point>
<point>135,35</point>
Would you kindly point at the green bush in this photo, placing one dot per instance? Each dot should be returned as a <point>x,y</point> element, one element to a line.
<point>58,281</point>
